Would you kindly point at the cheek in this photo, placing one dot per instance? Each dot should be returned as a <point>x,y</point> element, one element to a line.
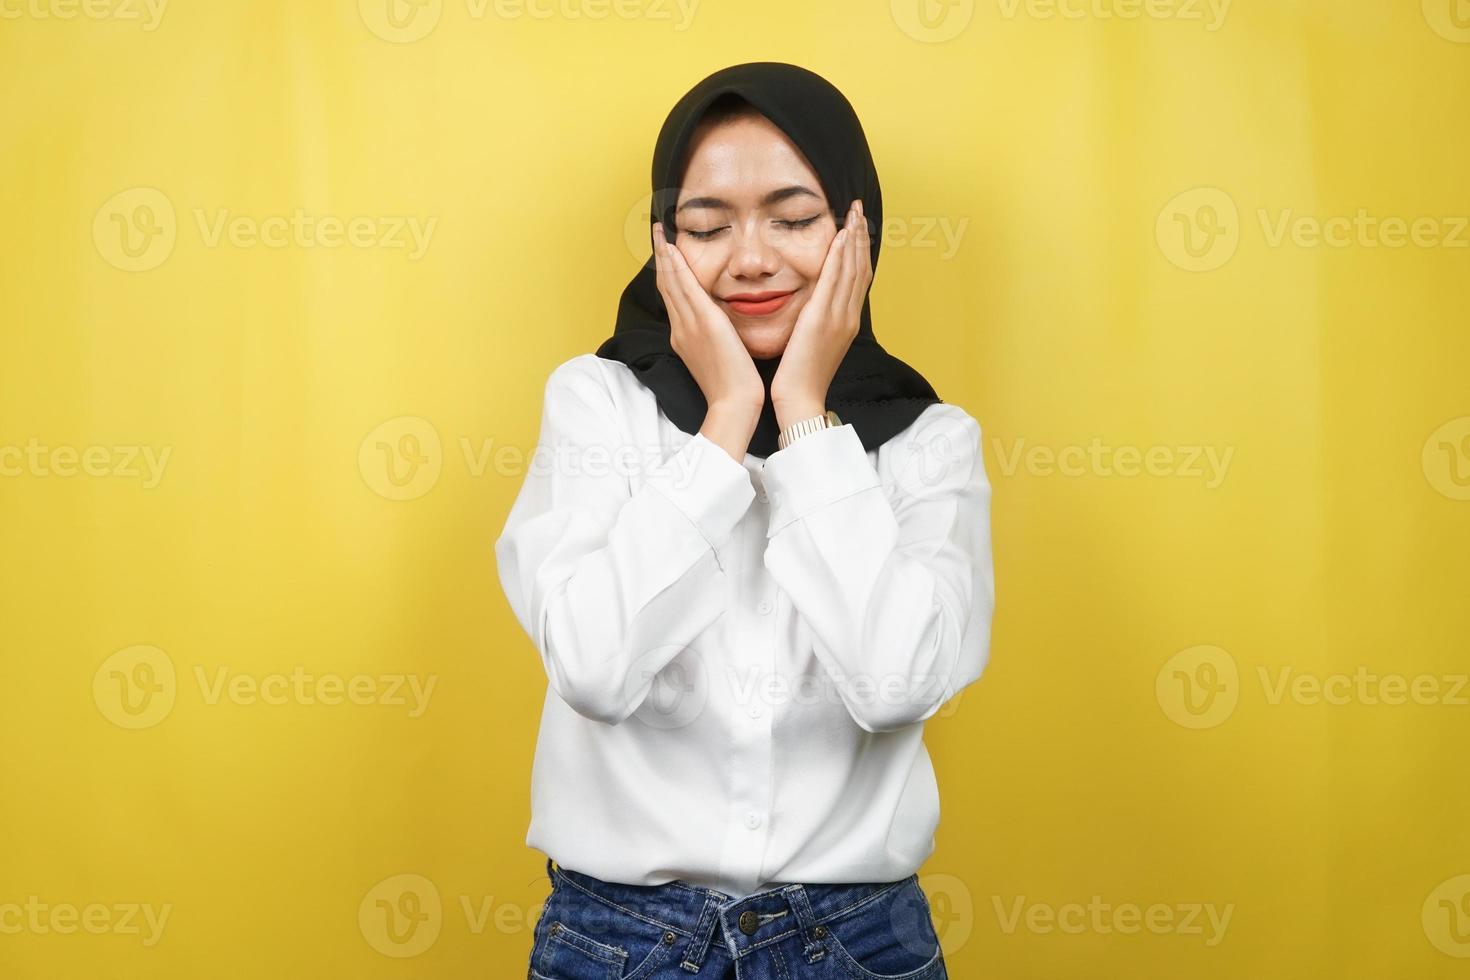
<point>806,250</point>
<point>705,261</point>
<point>807,261</point>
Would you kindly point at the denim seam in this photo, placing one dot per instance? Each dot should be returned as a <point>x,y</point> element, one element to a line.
<point>700,942</point>
<point>920,972</point>
<point>861,902</point>
<point>621,954</point>
<point>627,911</point>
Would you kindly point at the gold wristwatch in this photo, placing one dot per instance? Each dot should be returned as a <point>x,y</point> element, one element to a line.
<point>796,430</point>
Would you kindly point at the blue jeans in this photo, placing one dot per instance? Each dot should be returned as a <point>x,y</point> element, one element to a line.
<point>592,929</point>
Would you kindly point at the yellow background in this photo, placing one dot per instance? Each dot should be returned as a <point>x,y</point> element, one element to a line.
<point>1068,155</point>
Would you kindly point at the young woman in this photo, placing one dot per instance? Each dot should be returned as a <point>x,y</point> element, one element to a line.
<point>756,559</point>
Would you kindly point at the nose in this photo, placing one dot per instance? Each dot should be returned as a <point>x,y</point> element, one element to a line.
<point>753,257</point>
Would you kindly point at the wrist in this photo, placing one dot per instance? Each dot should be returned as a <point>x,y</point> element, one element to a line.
<point>730,426</point>
<point>805,427</point>
<point>735,412</point>
<point>796,409</point>
<point>797,403</point>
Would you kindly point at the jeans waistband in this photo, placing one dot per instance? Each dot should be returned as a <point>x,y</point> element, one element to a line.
<point>701,913</point>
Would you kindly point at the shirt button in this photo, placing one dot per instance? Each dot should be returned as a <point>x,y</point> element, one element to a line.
<point>765,606</point>
<point>752,820</point>
<point>755,711</point>
<point>762,497</point>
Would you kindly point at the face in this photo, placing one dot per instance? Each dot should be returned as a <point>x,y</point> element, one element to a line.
<point>753,223</point>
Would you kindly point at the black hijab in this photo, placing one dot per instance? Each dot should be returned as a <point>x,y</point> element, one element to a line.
<point>878,394</point>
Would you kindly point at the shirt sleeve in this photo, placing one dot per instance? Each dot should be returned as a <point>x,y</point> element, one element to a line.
<point>890,571</point>
<point>610,583</point>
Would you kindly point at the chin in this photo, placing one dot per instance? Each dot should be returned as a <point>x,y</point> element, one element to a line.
<point>764,340</point>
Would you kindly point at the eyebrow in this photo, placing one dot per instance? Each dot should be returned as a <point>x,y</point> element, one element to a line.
<point>775,197</point>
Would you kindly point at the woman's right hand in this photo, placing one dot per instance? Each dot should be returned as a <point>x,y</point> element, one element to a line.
<point>706,341</point>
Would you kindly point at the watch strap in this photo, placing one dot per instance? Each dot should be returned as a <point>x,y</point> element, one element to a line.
<point>803,427</point>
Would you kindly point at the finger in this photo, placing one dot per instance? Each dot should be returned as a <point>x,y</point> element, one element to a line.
<point>661,263</point>
<point>676,268</point>
<point>864,262</point>
<point>700,301</point>
<point>669,280</point>
<point>842,297</point>
<point>827,277</point>
<point>685,287</point>
<point>864,236</point>
<point>856,243</point>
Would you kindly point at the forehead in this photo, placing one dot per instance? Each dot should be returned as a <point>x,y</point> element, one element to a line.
<point>743,158</point>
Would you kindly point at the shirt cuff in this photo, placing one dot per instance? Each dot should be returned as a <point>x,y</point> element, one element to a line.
<point>707,485</point>
<point>814,471</point>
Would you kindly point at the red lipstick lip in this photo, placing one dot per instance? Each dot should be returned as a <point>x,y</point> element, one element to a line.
<point>755,305</point>
<point>757,297</point>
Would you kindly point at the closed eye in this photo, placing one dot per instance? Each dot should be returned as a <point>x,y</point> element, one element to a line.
<point>711,233</point>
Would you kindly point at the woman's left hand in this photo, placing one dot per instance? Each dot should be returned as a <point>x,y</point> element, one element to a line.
<point>826,325</point>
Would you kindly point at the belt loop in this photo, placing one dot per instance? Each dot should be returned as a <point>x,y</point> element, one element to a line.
<point>814,949</point>
<point>699,945</point>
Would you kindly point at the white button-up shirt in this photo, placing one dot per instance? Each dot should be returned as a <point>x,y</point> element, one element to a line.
<point>740,655</point>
